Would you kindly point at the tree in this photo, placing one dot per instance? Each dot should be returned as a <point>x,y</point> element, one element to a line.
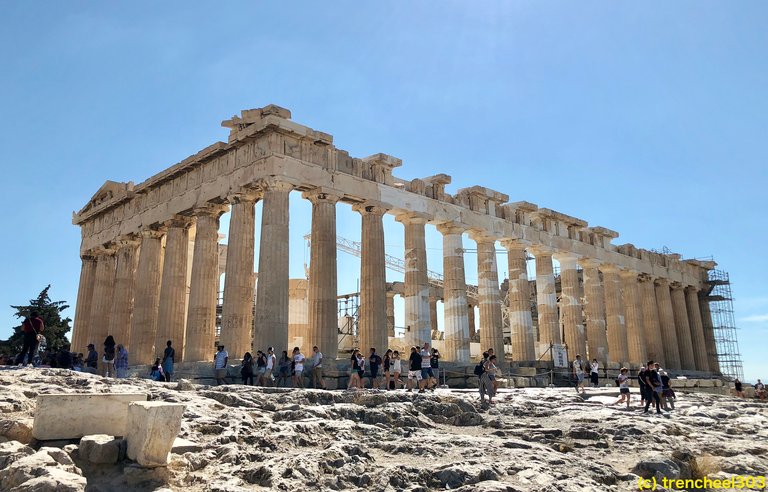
<point>56,328</point>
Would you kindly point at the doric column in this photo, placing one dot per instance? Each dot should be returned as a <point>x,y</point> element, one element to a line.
<point>373,282</point>
<point>390,314</point>
<point>651,324</point>
<point>638,353</point>
<point>432,316</point>
<point>204,286</point>
<point>271,326</point>
<point>417,309</point>
<point>615,323</point>
<point>125,283</point>
<point>455,304</point>
<point>83,307</point>
<point>709,333</point>
<point>323,309</point>
<point>519,303</point>
<point>147,297</point>
<point>173,287</point>
<point>489,296</point>
<point>594,311</point>
<point>239,280</point>
<point>571,316</point>
<point>546,298</point>
<point>697,329</point>
<point>667,324</point>
<point>682,328</point>
<point>101,305</point>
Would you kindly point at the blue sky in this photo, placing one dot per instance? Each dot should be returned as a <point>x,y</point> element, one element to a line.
<point>649,119</point>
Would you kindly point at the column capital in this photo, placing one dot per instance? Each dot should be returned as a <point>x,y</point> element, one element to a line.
<point>127,241</point>
<point>609,267</point>
<point>451,228</point>
<point>210,209</point>
<point>154,233</point>
<point>88,256</point>
<point>321,194</point>
<point>661,281</point>
<point>646,277</point>
<point>245,195</point>
<point>566,257</point>
<point>692,288</point>
<point>108,250</point>
<point>412,218</point>
<point>538,250</point>
<point>370,208</point>
<point>274,183</point>
<point>481,237</point>
<point>511,244</point>
<point>179,222</point>
<point>676,286</point>
<point>590,263</point>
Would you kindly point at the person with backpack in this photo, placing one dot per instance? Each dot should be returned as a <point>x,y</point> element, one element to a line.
<point>641,385</point>
<point>169,357</point>
<point>653,387</point>
<point>156,371</point>
<point>109,357</point>
<point>32,328</point>
<point>261,367</point>
<point>414,371</point>
<point>486,385</point>
<point>374,362</point>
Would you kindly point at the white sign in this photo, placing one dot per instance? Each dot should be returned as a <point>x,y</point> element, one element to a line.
<point>559,356</point>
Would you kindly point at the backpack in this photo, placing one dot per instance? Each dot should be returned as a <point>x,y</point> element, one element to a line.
<point>479,369</point>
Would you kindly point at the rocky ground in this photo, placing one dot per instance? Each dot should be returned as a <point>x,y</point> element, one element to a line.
<point>251,438</point>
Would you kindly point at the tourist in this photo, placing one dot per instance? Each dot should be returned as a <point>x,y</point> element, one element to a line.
<point>78,363</point>
<point>246,369</point>
<point>387,365</point>
<point>32,328</point>
<point>156,371</point>
<point>354,368</point>
<point>485,383</point>
<point>667,393</point>
<point>397,368</point>
<point>434,366</point>
<point>284,369</point>
<point>298,368</point>
<point>64,358</point>
<point>641,385</point>
<point>261,367</point>
<point>269,376</point>
<point>494,381</point>
<point>415,372</point>
<point>317,369</point>
<point>578,373</point>
<point>109,357</point>
<point>653,387</point>
<point>121,361</point>
<point>623,380</point>
<point>169,357</point>
<point>220,361</point>
<point>594,373</point>
<point>426,369</point>
<point>92,362</point>
<point>374,362</point>
<point>760,390</point>
<point>739,388</point>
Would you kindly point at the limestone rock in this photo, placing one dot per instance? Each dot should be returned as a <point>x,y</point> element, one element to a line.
<point>67,416</point>
<point>42,471</point>
<point>151,430</point>
<point>101,449</point>
<point>17,430</point>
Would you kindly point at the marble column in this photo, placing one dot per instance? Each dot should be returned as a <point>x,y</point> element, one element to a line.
<point>682,328</point>
<point>489,296</point>
<point>667,324</point>
<point>697,329</point>
<point>651,324</point>
<point>709,333</point>
<point>519,303</point>
<point>147,297</point>
<point>173,288</point>
<point>271,325</point>
<point>239,279</point>
<point>471,319</point>
<point>615,322</point>
<point>638,352</point>
<point>373,282</point>
<point>546,299</point>
<point>101,304</point>
<point>390,314</point>
<point>323,310</point>
<point>571,316</point>
<point>204,287</point>
<point>418,314</point>
<point>432,316</point>
<point>83,307</point>
<point>455,303</point>
<point>125,284</point>
<point>594,311</point>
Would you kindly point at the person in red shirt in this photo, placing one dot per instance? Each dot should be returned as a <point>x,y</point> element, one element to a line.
<point>31,327</point>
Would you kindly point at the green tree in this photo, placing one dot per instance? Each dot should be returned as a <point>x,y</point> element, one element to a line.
<point>56,328</point>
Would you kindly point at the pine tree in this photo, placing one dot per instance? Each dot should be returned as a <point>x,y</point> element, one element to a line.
<point>56,328</point>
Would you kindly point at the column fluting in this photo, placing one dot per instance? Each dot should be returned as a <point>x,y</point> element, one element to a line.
<point>682,327</point>
<point>373,282</point>
<point>489,296</point>
<point>125,283</point>
<point>616,327</point>
<point>638,353</point>
<point>699,343</point>
<point>147,296</point>
<point>173,288</point>
<point>571,317</point>
<point>81,329</point>
<point>519,303</point>
<point>418,315</point>
<point>101,305</point>
<point>456,316</point>
<point>667,324</point>
<point>594,312</point>
<point>651,324</point>
<point>709,333</point>
<point>546,299</point>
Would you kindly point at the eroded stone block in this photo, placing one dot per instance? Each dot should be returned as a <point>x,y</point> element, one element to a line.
<point>101,449</point>
<point>151,431</point>
<point>72,416</point>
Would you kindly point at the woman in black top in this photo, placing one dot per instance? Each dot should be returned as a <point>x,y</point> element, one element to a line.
<point>109,357</point>
<point>387,367</point>
<point>247,370</point>
<point>739,388</point>
<point>354,376</point>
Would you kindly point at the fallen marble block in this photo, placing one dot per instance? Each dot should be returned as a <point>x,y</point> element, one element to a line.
<point>151,431</point>
<point>72,416</point>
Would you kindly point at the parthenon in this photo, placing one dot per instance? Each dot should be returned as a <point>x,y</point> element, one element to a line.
<point>150,267</point>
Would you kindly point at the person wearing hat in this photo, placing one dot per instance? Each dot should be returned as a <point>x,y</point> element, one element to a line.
<point>92,361</point>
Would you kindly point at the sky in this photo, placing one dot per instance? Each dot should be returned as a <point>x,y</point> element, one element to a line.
<point>647,118</point>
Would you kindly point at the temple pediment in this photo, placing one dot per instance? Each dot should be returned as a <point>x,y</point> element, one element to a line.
<point>109,191</point>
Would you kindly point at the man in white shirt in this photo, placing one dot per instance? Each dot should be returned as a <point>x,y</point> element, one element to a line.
<point>220,365</point>
<point>317,368</point>
<point>578,373</point>
<point>268,375</point>
<point>298,368</point>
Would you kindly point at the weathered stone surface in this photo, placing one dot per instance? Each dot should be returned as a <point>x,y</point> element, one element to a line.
<point>71,416</point>
<point>101,449</point>
<point>181,446</point>
<point>49,469</point>
<point>152,428</point>
<point>17,430</point>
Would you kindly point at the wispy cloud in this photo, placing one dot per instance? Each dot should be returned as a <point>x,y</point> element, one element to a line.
<point>756,318</point>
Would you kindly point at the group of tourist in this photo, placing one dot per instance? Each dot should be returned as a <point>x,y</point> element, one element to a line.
<point>760,392</point>
<point>487,371</point>
<point>384,373</point>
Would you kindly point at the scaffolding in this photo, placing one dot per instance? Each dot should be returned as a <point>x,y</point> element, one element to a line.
<point>725,331</point>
